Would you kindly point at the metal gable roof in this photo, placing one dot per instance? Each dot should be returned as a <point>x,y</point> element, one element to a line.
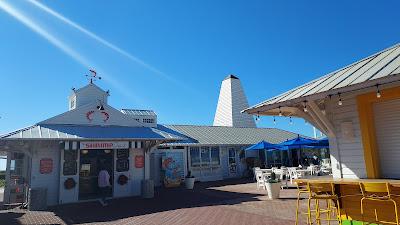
<point>62,131</point>
<point>219,135</point>
<point>382,65</point>
<point>138,112</point>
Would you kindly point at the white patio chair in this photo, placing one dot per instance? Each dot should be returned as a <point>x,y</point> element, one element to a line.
<point>260,180</point>
<point>294,174</point>
<point>254,172</point>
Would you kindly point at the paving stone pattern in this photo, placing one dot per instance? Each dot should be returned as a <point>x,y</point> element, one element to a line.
<point>231,202</point>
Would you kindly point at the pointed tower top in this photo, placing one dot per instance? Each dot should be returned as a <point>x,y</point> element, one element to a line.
<point>231,102</point>
<point>231,77</point>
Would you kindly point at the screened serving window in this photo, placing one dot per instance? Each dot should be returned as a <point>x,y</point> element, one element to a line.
<point>195,156</point>
<point>204,156</point>
<point>215,156</point>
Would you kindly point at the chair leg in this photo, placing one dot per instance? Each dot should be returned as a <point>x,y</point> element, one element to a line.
<point>396,213</point>
<point>297,208</point>
<point>362,211</point>
<point>309,211</point>
<point>317,212</point>
<point>329,212</point>
<point>339,213</point>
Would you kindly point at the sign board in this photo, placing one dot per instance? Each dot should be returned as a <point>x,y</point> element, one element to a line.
<point>104,145</point>
<point>172,165</point>
<point>46,166</point>
<point>139,161</point>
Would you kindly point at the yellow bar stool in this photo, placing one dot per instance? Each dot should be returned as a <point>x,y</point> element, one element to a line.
<point>323,191</point>
<point>380,192</point>
<point>301,189</point>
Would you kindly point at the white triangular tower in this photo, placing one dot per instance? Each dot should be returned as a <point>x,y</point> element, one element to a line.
<point>231,102</point>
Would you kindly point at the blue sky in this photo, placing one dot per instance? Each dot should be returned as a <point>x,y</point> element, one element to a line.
<point>171,56</point>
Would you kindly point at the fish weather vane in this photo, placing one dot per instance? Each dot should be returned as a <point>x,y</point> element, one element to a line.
<point>93,76</point>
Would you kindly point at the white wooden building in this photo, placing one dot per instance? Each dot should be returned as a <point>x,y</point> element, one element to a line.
<point>64,153</point>
<point>357,107</point>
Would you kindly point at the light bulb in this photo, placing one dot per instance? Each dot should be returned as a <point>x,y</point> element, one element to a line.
<point>340,102</point>
<point>290,121</point>
<point>378,94</point>
<point>305,109</point>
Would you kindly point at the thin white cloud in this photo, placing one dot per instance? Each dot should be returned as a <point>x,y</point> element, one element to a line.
<point>97,38</point>
<point>42,32</point>
<point>29,22</point>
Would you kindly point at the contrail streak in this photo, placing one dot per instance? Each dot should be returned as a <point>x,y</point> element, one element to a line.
<point>61,45</point>
<point>97,38</point>
<point>42,32</point>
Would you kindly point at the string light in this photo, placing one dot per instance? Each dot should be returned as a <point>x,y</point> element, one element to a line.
<point>340,100</point>
<point>305,107</point>
<point>323,109</point>
<point>378,92</point>
<point>280,111</point>
<point>274,121</point>
<point>257,117</point>
<point>290,120</point>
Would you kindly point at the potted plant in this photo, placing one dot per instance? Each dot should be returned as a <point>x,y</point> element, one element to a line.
<point>189,180</point>
<point>273,186</point>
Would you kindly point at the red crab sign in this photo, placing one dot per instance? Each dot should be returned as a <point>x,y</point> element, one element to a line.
<point>91,114</point>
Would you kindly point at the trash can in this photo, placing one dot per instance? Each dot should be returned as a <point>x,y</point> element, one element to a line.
<point>37,199</point>
<point>148,189</point>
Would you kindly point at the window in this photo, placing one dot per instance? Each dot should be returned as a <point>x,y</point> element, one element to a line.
<point>205,156</point>
<point>195,156</point>
<point>214,156</point>
<point>72,104</point>
<point>147,120</point>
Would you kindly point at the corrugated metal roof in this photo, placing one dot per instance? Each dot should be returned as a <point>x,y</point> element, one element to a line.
<point>384,64</point>
<point>138,112</point>
<point>45,131</point>
<point>218,135</point>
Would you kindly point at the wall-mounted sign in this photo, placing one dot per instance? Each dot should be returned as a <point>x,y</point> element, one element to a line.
<point>139,161</point>
<point>46,166</point>
<point>172,165</point>
<point>104,145</point>
<point>104,115</point>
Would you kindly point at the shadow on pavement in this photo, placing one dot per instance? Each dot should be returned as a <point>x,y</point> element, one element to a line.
<point>10,218</point>
<point>164,200</point>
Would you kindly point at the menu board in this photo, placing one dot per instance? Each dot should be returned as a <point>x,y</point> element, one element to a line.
<point>122,153</point>
<point>70,155</point>
<point>122,165</point>
<point>69,168</point>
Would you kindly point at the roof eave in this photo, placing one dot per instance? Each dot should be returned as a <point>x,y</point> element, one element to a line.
<point>261,109</point>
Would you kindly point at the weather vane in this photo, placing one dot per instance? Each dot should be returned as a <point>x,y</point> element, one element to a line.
<point>93,76</point>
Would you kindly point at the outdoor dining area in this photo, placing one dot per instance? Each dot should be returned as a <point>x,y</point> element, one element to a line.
<point>289,160</point>
<point>356,107</point>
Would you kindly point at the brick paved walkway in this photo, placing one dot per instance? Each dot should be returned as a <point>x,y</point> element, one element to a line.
<point>230,202</point>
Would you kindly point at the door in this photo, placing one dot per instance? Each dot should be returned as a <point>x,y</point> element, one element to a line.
<point>17,178</point>
<point>91,163</point>
<point>387,125</point>
<point>232,162</point>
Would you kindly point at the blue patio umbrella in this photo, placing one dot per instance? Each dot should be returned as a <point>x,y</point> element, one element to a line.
<point>299,142</point>
<point>263,145</point>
